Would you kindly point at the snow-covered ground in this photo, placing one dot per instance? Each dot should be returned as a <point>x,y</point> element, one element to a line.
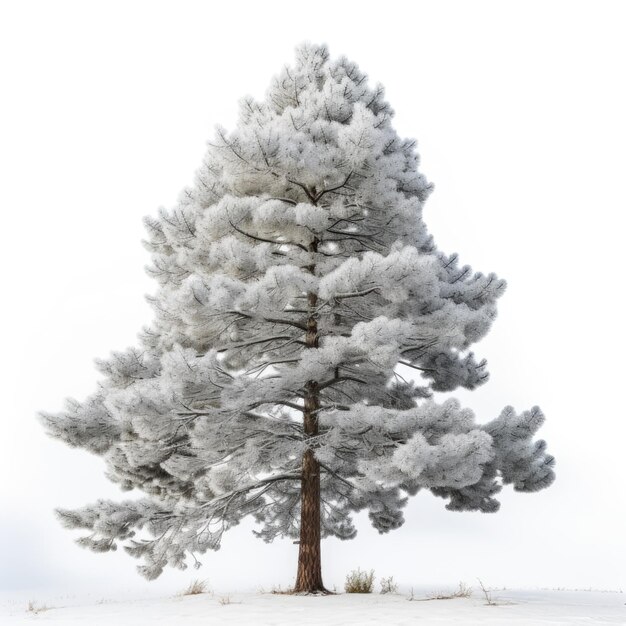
<point>532,608</point>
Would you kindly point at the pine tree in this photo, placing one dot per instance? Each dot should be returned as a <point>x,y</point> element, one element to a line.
<point>303,320</point>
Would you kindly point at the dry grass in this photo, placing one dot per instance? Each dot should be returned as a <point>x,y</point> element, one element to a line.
<point>359,582</point>
<point>387,585</point>
<point>196,587</point>
<point>464,591</point>
<point>35,608</point>
<point>279,591</point>
<point>225,600</point>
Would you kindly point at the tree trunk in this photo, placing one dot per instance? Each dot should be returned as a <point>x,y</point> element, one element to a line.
<point>309,577</point>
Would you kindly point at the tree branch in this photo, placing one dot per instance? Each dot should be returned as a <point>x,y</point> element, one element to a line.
<point>339,379</point>
<point>325,191</point>
<point>272,320</point>
<point>262,239</point>
<point>261,483</point>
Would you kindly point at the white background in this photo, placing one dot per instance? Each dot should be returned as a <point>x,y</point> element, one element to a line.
<point>519,110</point>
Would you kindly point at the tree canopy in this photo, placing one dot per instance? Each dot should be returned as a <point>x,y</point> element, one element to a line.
<point>297,281</point>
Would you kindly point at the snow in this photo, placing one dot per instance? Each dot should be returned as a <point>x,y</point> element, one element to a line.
<point>518,607</point>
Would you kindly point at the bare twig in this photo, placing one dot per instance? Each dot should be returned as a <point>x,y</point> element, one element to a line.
<point>487,593</point>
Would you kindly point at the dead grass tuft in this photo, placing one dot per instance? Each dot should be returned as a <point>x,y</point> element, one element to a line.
<point>279,591</point>
<point>388,585</point>
<point>358,581</point>
<point>464,591</point>
<point>225,600</point>
<point>196,587</point>
<point>35,608</point>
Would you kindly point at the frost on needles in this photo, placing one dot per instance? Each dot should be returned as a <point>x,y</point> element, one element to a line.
<point>303,319</point>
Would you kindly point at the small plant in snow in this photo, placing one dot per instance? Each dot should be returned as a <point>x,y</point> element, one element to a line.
<point>464,591</point>
<point>224,600</point>
<point>35,608</point>
<point>387,585</point>
<point>358,581</point>
<point>195,588</point>
<point>487,594</point>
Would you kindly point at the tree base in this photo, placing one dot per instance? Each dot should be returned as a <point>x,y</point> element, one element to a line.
<point>313,592</point>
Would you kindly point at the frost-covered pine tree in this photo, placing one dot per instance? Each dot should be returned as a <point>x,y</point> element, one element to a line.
<point>303,319</point>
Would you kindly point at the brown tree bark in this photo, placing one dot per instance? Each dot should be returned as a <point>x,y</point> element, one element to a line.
<point>309,577</point>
